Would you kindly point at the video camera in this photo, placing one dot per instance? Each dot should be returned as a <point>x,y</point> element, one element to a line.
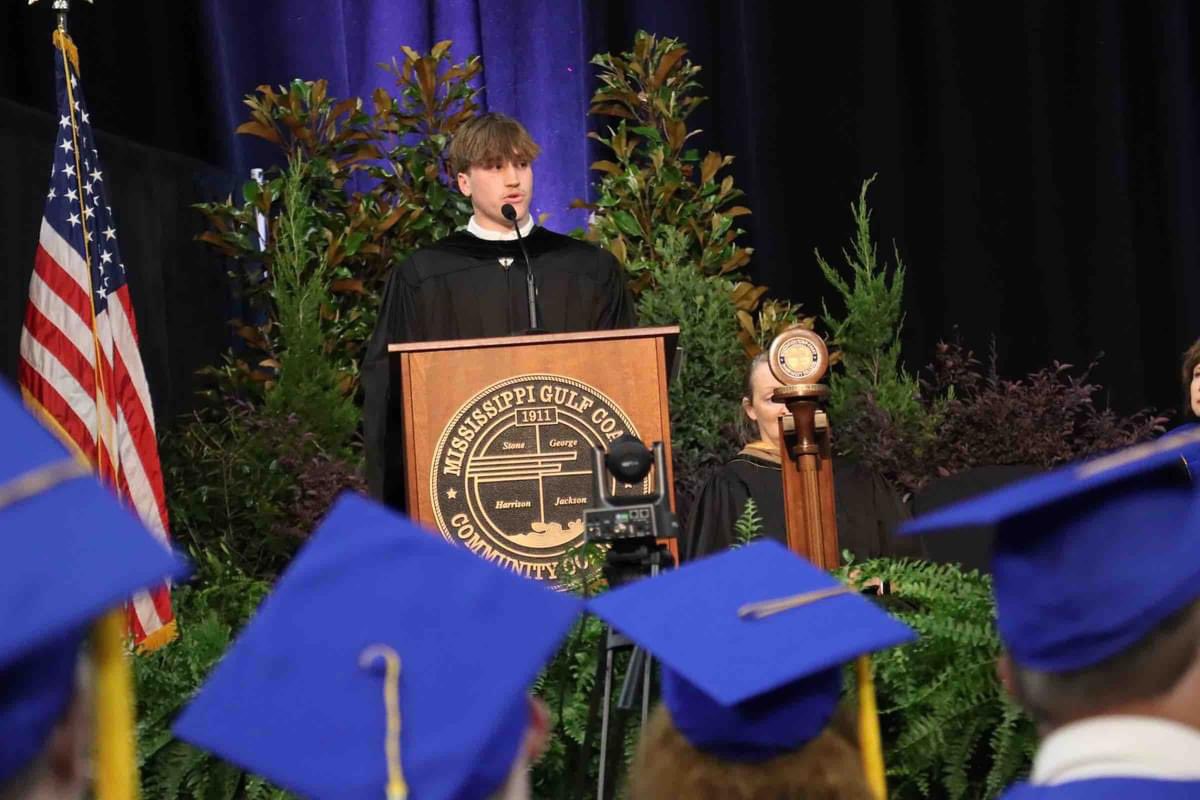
<point>630,525</point>
<point>620,520</point>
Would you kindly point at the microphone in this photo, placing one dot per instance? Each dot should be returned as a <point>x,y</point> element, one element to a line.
<point>510,214</point>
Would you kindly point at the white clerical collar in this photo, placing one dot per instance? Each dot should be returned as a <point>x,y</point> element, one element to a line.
<point>1118,747</point>
<point>475,229</point>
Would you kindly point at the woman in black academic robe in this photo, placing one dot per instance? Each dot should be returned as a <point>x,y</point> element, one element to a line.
<point>868,508</point>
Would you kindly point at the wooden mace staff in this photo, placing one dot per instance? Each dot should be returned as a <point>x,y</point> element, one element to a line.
<point>799,359</point>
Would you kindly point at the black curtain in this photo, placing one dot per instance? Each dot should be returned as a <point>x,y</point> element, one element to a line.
<point>178,287</point>
<point>144,65</point>
<point>144,70</point>
<point>1037,164</point>
<point>1037,161</point>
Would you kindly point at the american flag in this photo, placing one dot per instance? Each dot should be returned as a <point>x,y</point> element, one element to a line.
<point>80,367</point>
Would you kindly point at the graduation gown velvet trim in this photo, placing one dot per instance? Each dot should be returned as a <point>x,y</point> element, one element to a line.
<point>464,287</point>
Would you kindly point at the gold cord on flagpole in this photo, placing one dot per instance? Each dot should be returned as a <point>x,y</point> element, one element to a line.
<point>397,787</point>
<point>103,418</point>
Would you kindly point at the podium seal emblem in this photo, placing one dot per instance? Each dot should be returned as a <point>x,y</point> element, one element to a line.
<point>512,472</point>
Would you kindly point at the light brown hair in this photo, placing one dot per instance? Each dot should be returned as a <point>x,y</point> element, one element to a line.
<point>488,139</point>
<point>1191,357</point>
<point>666,766</point>
<point>1149,668</point>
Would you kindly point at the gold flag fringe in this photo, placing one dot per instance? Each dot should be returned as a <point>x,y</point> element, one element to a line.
<point>63,42</point>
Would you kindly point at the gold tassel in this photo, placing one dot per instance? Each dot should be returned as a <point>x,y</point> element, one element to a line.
<point>869,738</point>
<point>116,763</point>
<point>397,787</point>
<point>769,608</point>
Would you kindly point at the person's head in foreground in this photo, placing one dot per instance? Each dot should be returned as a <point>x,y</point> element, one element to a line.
<point>1097,580</point>
<point>386,663</point>
<point>752,643</point>
<point>69,555</point>
<point>491,157</point>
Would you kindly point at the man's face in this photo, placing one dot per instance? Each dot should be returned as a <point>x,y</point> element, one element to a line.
<point>492,185</point>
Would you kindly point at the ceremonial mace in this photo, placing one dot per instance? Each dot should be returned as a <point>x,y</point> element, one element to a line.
<point>799,359</point>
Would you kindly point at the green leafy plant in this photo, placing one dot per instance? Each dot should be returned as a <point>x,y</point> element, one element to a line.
<point>868,335</point>
<point>333,138</point>
<point>378,187</point>
<point>413,199</point>
<point>704,395</point>
<point>247,485</point>
<point>748,525</point>
<point>308,384</point>
<point>655,188</point>
<point>762,320</point>
<point>949,728</point>
<point>209,611</point>
<point>568,687</point>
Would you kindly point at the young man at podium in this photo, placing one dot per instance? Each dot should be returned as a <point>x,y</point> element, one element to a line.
<point>503,275</point>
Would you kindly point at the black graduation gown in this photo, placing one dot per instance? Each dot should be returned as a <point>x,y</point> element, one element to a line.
<point>458,288</point>
<point>868,508</point>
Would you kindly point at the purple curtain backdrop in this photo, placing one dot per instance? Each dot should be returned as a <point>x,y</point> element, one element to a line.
<point>534,53</point>
<point>1039,168</point>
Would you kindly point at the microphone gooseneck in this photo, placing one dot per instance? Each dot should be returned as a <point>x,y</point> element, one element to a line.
<point>535,325</point>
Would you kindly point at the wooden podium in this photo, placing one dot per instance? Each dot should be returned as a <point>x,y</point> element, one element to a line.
<point>498,436</point>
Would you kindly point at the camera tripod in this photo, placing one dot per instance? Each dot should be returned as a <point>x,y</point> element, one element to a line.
<point>628,561</point>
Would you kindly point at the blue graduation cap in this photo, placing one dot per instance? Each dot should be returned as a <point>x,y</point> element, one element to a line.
<point>1091,557</point>
<point>1189,447</point>
<point>1106,789</point>
<point>752,641</point>
<point>384,657</point>
<point>69,552</point>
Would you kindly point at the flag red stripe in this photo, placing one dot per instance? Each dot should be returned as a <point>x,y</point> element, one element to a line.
<point>58,343</point>
<point>135,625</point>
<point>133,395</point>
<point>54,404</point>
<point>143,438</point>
<point>67,288</point>
<point>162,603</point>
